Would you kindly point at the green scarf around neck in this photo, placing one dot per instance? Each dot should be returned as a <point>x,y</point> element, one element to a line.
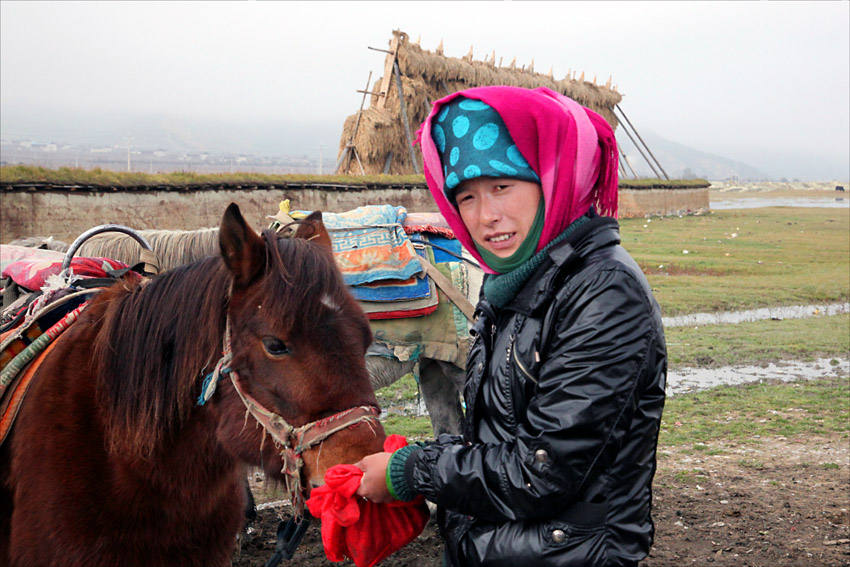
<point>525,250</point>
<point>500,289</point>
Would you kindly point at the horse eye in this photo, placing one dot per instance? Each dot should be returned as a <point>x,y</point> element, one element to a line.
<point>275,346</point>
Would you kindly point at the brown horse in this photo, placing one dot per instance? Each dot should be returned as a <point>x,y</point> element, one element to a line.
<point>113,462</point>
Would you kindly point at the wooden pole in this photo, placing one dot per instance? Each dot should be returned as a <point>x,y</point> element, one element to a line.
<point>646,159</point>
<point>362,102</point>
<point>625,160</point>
<point>389,62</point>
<point>404,118</point>
<point>350,145</point>
<point>357,156</point>
<point>617,106</point>
<point>342,157</point>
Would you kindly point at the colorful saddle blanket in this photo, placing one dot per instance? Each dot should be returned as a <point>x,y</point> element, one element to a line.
<point>370,244</point>
<point>374,250</point>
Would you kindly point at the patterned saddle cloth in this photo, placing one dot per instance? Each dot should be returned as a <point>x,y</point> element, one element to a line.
<point>370,244</point>
<point>384,267</point>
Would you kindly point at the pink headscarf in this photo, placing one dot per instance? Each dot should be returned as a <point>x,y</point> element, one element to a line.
<point>571,148</point>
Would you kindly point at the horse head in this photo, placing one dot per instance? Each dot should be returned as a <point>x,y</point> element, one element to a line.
<point>297,341</point>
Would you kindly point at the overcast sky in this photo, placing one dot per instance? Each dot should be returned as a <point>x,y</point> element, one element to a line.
<point>764,82</point>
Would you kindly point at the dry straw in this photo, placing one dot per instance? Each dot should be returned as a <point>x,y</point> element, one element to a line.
<point>427,76</point>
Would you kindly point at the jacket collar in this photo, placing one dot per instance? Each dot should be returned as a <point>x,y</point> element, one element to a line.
<point>598,233</point>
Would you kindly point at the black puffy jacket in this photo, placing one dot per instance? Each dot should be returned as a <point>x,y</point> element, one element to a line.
<point>564,393</point>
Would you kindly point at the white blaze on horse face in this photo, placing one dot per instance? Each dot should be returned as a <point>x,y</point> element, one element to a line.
<point>330,303</point>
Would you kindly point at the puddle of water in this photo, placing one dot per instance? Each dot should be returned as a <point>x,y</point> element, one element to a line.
<point>689,380</point>
<point>729,317</point>
<point>756,202</point>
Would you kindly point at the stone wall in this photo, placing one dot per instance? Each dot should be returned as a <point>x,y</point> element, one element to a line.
<point>662,202</point>
<point>66,214</point>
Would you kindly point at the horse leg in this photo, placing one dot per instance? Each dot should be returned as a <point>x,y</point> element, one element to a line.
<point>385,371</point>
<point>250,506</point>
<point>441,396</point>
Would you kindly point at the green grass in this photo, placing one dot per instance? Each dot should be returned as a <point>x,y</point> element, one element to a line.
<point>403,390</point>
<point>392,398</point>
<point>743,414</point>
<point>415,428</point>
<point>758,342</point>
<point>743,259</point>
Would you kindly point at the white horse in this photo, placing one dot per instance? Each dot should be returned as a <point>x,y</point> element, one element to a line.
<point>440,381</point>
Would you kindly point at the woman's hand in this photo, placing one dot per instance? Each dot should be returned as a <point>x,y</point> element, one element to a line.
<point>373,485</point>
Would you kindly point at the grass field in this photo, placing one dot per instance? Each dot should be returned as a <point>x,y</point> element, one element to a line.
<point>743,414</point>
<point>759,342</point>
<point>743,259</point>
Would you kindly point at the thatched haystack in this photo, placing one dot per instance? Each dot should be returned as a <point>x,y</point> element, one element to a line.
<point>427,76</point>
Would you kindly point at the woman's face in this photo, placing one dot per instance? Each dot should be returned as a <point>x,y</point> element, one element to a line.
<point>498,211</point>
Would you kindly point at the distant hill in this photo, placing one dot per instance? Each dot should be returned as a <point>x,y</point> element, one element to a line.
<point>681,161</point>
<point>163,132</point>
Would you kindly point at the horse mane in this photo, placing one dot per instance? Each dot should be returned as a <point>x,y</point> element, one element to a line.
<point>173,247</point>
<point>159,340</point>
<point>154,341</point>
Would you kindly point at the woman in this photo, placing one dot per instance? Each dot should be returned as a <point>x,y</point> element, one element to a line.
<point>566,375</point>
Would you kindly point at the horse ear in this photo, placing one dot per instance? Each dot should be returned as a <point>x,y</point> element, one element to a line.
<point>242,249</point>
<point>312,228</point>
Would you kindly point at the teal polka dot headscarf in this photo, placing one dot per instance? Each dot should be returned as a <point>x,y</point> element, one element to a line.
<point>473,141</point>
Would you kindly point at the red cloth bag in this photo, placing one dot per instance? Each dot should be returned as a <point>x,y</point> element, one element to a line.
<point>362,530</point>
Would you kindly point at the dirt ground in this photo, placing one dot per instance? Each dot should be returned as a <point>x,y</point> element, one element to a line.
<point>778,502</point>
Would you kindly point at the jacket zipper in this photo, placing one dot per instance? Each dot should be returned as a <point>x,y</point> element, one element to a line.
<point>518,362</point>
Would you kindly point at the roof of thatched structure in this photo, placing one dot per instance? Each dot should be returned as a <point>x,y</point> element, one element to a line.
<point>428,76</point>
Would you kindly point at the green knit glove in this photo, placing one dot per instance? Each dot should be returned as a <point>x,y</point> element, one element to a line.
<point>396,483</point>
